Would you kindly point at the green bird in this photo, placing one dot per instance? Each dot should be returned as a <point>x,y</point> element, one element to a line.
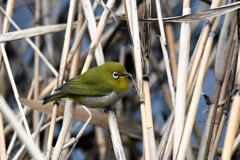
<point>99,87</point>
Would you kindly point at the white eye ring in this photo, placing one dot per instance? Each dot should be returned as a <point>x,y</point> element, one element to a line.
<point>115,75</point>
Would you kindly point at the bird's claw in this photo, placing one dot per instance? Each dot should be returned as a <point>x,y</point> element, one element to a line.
<point>109,108</point>
<point>56,102</point>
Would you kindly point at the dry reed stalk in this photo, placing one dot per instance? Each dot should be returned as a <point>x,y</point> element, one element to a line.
<point>99,119</point>
<point>19,117</point>
<point>11,144</point>
<point>172,51</point>
<point>190,94</point>
<point>236,144</point>
<point>122,54</point>
<point>160,77</point>
<point>32,44</point>
<point>47,122</point>
<point>195,100</point>
<point>78,41</point>
<point>171,85</point>
<point>46,16</point>
<point>50,133</point>
<point>219,114</point>
<point>99,30</point>
<point>35,136</point>
<point>166,93</point>
<point>68,112</point>
<point>95,34</point>
<point>197,132</point>
<point>198,16</point>
<point>116,140</point>
<point>75,140</point>
<point>101,142</point>
<point>2,136</point>
<point>167,152</point>
<point>9,11</point>
<point>237,83</point>
<point>232,75</point>
<point>48,88</point>
<point>169,147</point>
<point>181,92</point>
<point>13,84</point>
<point>168,70</point>
<point>88,12</point>
<point>74,72</point>
<point>32,32</point>
<point>160,21</point>
<point>162,40</point>
<point>165,136</point>
<point>36,68</point>
<point>212,31</point>
<point>232,127</point>
<point>164,43</point>
<point>14,137</point>
<point>2,139</point>
<point>218,136</point>
<point>9,115</point>
<point>212,57</point>
<point>149,120</point>
<point>6,23</point>
<point>200,47</point>
<point>146,44</point>
<point>231,72</point>
<point>224,44</point>
<point>148,134</point>
<point>190,152</point>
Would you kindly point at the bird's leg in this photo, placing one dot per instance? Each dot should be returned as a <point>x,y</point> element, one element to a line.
<point>109,108</point>
<point>56,102</point>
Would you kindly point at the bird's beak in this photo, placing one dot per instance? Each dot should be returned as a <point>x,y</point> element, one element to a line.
<point>127,74</point>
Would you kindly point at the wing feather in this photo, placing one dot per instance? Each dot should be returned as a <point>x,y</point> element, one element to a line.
<point>86,86</point>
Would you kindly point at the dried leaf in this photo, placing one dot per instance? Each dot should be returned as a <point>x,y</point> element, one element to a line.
<point>99,118</point>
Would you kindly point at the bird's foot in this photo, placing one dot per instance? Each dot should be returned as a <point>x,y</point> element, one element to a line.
<point>109,108</point>
<point>57,102</point>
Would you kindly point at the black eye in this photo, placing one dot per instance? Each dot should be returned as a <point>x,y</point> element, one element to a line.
<point>115,75</point>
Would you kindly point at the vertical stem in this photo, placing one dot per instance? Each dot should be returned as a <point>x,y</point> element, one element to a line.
<point>146,87</point>
<point>67,111</point>
<point>2,140</point>
<point>194,103</point>
<point>224,44</point>
<point>46,14</point>
<point>132,19</point>
<point>36,65</point>
<point>232,127</point>
<point>116,140</point>
<point>182,81</point>
<point>96,47</point>
<point>21,132</point>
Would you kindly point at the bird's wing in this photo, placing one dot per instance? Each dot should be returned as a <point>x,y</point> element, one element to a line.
<point>86,87</point>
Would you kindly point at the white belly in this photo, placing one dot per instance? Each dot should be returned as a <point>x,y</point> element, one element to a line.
<point>100,101</point>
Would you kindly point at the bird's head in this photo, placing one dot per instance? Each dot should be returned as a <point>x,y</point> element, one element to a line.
<point>116,76</point>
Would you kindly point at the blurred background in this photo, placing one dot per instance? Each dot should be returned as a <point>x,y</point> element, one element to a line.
<point>117,46</point>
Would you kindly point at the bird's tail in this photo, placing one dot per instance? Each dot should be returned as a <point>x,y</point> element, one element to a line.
<point>53,97</point>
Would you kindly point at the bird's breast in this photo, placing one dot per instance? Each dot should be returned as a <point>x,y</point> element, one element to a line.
<point>100,101</point>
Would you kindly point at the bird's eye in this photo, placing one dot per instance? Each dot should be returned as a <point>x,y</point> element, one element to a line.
<point>115,75</point>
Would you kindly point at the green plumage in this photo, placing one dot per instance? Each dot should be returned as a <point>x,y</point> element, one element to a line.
<point>53,97</point>
<point>96,82</point>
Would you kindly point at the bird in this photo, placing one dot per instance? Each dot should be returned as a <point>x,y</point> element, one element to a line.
<point>99,87</point>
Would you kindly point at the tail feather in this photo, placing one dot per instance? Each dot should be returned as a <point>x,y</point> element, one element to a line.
<point>53,97</point>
